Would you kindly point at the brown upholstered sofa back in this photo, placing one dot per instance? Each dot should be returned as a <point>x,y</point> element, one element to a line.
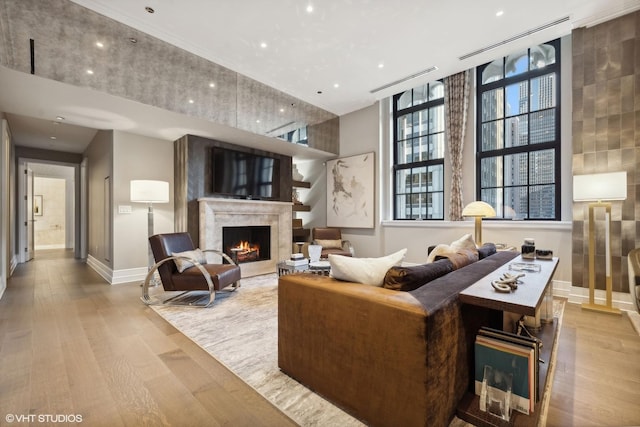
<point>375,352</point>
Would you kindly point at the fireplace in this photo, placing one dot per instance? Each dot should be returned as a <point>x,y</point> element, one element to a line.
<point>216,213</point>
<point>247,243</point>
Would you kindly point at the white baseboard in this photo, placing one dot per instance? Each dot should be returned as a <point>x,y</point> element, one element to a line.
<point>103,270</point>
<point>578,295</point>
<point>129,275</point>
<point>45,247</point>
<point>117,277</point>
<point>13,264</point>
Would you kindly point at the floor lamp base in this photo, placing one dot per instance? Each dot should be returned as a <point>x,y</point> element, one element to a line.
<point>601,308</point>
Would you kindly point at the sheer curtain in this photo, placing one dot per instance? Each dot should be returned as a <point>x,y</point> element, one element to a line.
<point>456,101</point>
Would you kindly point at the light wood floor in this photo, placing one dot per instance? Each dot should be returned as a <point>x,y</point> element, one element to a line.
<point>71,344</point>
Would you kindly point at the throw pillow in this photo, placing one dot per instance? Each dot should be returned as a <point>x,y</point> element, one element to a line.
<point>182,264</point>
<point>486,250</point>
<point>460,258</point>
<point>409,278</point>
<point>329,244</point>
<point>465,242</point>
<point>369,271</point>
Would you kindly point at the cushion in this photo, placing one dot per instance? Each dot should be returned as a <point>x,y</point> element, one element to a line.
<point>409,278</point>
<point>369,271</point>
<point>486,250</point>
<point>460,258</point>
<point>465,242</point>
<point>182,264</point>
<point>329,244</point>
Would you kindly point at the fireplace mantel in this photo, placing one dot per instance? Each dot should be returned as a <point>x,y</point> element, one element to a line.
<point>216,213</point>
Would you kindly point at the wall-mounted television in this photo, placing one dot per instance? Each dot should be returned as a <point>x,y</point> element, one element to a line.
<point>245,175</point>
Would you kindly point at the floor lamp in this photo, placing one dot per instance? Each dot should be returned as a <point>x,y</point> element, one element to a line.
<point>599,189</point>
<point>478,210</point>
<point>150,192</point>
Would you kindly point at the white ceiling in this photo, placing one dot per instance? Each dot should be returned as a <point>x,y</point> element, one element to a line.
<point>340,42</point>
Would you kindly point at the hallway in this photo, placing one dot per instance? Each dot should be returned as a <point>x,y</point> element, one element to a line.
<point>70,344</point>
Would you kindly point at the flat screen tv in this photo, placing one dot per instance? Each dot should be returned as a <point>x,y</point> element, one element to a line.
<point>245,175</point>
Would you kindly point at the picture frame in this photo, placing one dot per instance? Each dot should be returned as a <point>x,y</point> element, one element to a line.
<point>351,191</point>
<point>38,205</point>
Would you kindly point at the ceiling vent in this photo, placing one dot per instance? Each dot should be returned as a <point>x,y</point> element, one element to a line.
<point>397,82</point>
<point>514,38</point>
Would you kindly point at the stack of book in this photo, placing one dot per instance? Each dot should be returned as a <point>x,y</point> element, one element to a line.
<point>513,355</point>
<point>297,260</point>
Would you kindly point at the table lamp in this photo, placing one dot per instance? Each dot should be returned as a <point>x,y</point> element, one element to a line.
<point>478,210</point>
<point>596,188</point>
<point>150,192</point>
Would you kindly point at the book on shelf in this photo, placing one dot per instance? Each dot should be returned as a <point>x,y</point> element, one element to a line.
<point>526,341</point>
<point>510,354</point>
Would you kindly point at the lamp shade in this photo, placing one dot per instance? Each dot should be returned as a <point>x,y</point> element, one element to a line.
<point>148,191</point>
<point>479,209</point>
<point>600,186</point>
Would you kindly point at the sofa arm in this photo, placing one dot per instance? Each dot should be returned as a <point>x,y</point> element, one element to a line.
<point>362,347</point>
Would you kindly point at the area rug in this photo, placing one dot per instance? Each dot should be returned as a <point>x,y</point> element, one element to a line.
<point>240,330</point>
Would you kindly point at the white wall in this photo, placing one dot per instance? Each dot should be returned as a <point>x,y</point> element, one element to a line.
<point>100,161</point>
<point>360,133</point>
<point>6,251</point>
<point>138,157</point>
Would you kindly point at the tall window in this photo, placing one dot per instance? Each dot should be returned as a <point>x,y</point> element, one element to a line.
<point>418,135</point>
<point>518,133</point>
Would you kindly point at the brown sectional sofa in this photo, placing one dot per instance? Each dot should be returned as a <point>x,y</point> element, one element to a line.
<point>387,357</point>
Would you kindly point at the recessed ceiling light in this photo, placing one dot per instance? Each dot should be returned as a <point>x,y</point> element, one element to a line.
<point>500,13</point>
<point>381,65</point>
<point>263,45</point>
<point>212,84</point>
<point>59,118</point>
<point>100,44</point>
<point>52,137</point>
<point>336,85</point>
<point>258,121</point>
<point>309,8</point>
<point>89,71</point>
<point>282,110</point>
<point>191,101</point>
<point>149,9</point>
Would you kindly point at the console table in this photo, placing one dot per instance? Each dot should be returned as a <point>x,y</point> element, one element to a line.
<point>525,300</point>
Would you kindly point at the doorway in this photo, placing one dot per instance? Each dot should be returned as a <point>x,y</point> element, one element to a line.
<point>49,207</point>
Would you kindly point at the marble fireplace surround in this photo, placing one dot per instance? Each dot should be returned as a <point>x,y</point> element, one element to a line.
<point>216,213</point>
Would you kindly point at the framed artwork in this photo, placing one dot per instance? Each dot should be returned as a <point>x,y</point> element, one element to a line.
<point>350,191</point>
<point>37,205</point>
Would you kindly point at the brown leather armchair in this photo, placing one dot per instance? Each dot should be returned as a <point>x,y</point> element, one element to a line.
<point>197,282</point>
<point>330,239</point>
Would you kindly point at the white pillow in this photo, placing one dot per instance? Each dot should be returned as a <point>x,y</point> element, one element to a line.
<point>182,264</point>
<point>369,271</point>
<point>465,242</point>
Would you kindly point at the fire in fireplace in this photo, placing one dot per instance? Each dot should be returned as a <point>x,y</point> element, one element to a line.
<point>247,244</point>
